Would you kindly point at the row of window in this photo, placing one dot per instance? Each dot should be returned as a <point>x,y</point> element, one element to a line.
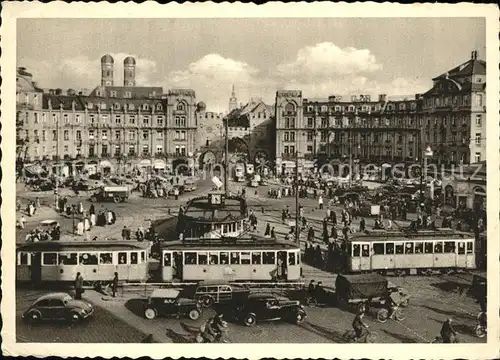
<point>85,258</point>
<point>364,108</point>
<point>236,258</point>
<point>414,247</point>
<point>130,106</point>
<point>454,100</point>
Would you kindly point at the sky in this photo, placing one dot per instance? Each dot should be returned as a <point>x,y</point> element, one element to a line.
<point>321,57</point>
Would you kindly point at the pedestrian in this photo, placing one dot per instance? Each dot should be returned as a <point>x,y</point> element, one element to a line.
<point>124,233</point>
<point>362,224</point>
<point>273,234</point>
<point>267,233</point>
<point>92,209</point>
<point>320,202</point>
<point>80,228</point>
<point>78,286</point>
<point>114,285</point>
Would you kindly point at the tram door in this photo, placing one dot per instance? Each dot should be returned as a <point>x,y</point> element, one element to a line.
<point>282,267</point>
<point>293,272</point>
<point>461,255</point>
<point>36,268</point>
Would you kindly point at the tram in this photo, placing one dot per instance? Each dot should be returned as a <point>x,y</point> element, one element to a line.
<point>42,262</point>
<point>249,259</point>
<point>401,252</point>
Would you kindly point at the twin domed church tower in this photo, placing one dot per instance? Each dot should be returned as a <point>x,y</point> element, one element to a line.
<point>107,71</point>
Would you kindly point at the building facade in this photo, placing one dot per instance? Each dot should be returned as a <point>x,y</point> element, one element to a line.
<point>113,128</point>
<point>449,118</point>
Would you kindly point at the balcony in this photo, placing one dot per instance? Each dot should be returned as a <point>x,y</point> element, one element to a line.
<point>289,113</point>
<point>179,112</point>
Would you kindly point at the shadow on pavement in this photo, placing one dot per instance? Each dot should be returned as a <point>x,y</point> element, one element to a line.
<point>452,286</point>
<point>136,306</point>
<point>452,314</point>
<point>178,338</point>
<point>332,335</point>
<point>460,328</point>
<point>404,339</point>
<point>190,329</point>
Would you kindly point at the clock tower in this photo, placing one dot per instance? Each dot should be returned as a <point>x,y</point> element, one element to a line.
<point>233,101</point>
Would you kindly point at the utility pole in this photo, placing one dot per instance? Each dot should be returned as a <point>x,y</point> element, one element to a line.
<point>226,151</point>
<point>350,159</point>
<point>297,215</point>
<point>422,164</point>
<point>57,163</point>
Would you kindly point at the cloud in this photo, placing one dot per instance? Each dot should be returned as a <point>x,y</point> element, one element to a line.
<point>84,72</point>
<point>328,61</point>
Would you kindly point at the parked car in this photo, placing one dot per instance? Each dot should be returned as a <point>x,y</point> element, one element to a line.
<point>208,293</point>
<point>58,306</point>
<point>165,302</point>
<point>265,307</point>
<point>172,190</point>
<point>190,185</point>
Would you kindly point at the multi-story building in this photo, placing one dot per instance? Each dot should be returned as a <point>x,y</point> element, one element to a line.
<point>115,126</point>
<point>449,118</point>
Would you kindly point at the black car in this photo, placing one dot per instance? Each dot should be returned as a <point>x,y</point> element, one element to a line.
<point>58,306</point>
<point>261,307</point>
<point>170,302</point>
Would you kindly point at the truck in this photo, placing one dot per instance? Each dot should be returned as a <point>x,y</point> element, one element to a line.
<point>116,194</point>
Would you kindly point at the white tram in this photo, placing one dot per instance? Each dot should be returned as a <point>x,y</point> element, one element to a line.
<point>96,261</point>
<point>417,252</point>
<point>242,260</point>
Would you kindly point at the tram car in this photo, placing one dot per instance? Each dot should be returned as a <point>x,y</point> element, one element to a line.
<point>56,262</point>
<point>421,252</point>
<point>193,260</point>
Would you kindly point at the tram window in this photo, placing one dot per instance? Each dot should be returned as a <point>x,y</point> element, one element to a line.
<point>429,247</point>
<point>291,258</point>
<point>49,258</point>
<point>268,258</point>
<point>389,248</point>
<point>225,288</point>
<point>245,258</point>
<point>88,259</point>
<point>419,248</point>
<point>143,256</point>
<point>470,247</point>
<point>461,248</point>
<point>224,258</point>
<point>167,259</point>
<point>399,248</point>
<point>356,250</point>
<point>214,258</point>
<point>68,259</point>
<point>365,250</point>
<point>202,258</point>
<point>133,258</point>
<point>409,248</point>
<point>256,257</point>
<point>189,258</point>
<point>23,258</point>
<point>449,246</point>
<point>378,249</point>
<point>105,258</point>
<point>122,258</point>
<point>438,247</point>
<point>235,258</point>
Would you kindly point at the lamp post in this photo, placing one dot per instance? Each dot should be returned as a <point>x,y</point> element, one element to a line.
<point>73,211</point>
<point>425,152</point>
<point>297,215</point>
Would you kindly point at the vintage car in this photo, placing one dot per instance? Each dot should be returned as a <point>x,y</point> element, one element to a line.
<point>170,302</point>
<point>266,307</point>
<point>116,194</point>
<point>209,293</point>
<point>190,185</point>
<point>58,306</point>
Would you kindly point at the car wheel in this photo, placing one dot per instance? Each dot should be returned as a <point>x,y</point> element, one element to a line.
<point>382,315</point>
<point>299,317</point>
<point>150,314</point>
<point>207,301</point>
<point>116,199</point>
<point>480,331</point>
<point>34,317</point>
<point>194,314</point>
<point>250,320</point>
<point>74,317</point>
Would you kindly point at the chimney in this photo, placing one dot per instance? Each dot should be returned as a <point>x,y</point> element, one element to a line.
<point>382,98</point>
<point>474,55</point>
<point>417,96</point>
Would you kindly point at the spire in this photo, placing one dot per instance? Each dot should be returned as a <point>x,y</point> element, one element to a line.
<point>233,94</point>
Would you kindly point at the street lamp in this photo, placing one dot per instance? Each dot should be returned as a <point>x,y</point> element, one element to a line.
<point>73,211</point>
<point>427,152</point>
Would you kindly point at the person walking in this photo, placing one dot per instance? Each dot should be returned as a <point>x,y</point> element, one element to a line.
<point>114,285</point>
<point>78,286</point>
<point>320,202</point>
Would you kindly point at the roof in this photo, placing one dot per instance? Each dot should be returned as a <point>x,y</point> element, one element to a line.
<point>199,209</point>
<point>470,67</point>
<point>136,92</point>
<point>165,293</point>
<point>66,101</point>
<point>55,295</point>
<point>129,60</point>
<point>83,246</point>
<point>107,59</point>
<point>362,278</point>
<point>424,235</point>
<point>217,245</point>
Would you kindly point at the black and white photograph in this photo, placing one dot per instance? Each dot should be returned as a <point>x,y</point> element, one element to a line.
<point>270,179</point>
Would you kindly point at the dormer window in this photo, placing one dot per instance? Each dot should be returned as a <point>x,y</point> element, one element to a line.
<point>159,107</point>
<point>413,106</point>
<point>145,107</point>
<point>180,107</point>
<point>131,106</point>
<point>338,108</point>
<point>402,106</point>
<point>103,106</point>
<point>98,93</point>
<point>112,93</point>
<point>90,105</point>
<point>351,108</point>
<point>390,107</point>
<point>35,98</point>
<point>127,94</point>
<point>116,106</point>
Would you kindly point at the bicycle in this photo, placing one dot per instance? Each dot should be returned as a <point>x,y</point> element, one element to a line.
<point>396,314</point>
<point>481,329</point>
<point>367,336</point>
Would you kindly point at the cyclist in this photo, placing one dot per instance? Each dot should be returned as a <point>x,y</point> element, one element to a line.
<point>358,325</point>
<point>481,319</point>
<point>448,333</point>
